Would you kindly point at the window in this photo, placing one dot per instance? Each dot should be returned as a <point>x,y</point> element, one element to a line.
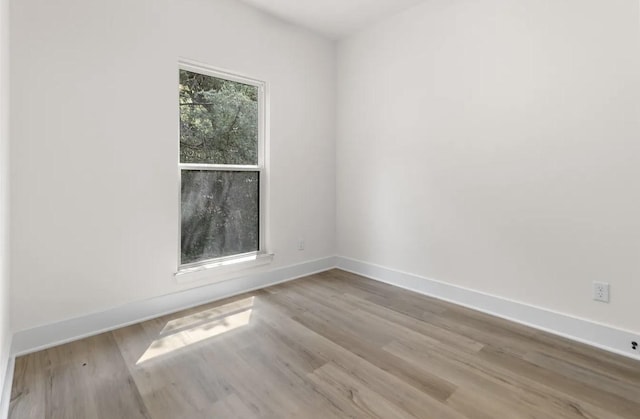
<point>221,166</point>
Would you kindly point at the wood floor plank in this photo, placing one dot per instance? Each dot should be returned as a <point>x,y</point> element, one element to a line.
<point>596,395</point>
<point>332,345</point>
<point>28,391</point>
<point>595,358</point>
<point>341,388</point>
<point>585,375</point>
<point>494,387</point>
<point>426,329</point>
<point>370,349</point>
<point>85,379</point>
<point>408,397</point>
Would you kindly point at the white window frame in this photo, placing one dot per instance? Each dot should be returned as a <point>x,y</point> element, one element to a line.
<point>260,256</point>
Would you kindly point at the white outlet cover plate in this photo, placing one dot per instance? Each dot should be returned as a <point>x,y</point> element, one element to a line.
<point>601,291</point>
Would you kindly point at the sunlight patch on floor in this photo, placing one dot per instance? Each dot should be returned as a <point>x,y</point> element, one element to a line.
<point>188,330</point>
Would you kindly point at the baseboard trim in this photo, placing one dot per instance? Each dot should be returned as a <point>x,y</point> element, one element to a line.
<point>43,337</point>
<point>581,330</point>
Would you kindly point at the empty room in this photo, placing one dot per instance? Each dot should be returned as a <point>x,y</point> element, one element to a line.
<point>319,209</point>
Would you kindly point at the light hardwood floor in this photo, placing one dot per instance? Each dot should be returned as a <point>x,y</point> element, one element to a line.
<point>332,345</point>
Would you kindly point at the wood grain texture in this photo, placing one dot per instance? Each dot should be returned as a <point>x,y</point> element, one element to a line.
<point>332,345</point>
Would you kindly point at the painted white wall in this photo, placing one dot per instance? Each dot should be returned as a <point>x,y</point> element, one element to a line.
<point>95,144</point>
<point>5,331</point>
<point>493,144</point>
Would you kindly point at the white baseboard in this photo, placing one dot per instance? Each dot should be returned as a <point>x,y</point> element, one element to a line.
<point>54,334</point>
<point>581,330</point>
<point>585,331</point>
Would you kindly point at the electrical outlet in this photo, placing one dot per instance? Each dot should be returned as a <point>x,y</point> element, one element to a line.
<point>601,291</point>
<point>301,244</point>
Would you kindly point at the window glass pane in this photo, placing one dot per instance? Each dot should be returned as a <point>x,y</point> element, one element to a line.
<point>220,214</point>
<point>218,120</point>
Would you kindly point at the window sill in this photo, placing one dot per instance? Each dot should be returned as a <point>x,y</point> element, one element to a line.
<point>222,270</point>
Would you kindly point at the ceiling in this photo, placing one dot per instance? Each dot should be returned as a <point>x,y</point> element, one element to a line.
<point>332,18</point>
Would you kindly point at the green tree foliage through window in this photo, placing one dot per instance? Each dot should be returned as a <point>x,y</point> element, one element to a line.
<point>218,120</point>
<point>219,207</point>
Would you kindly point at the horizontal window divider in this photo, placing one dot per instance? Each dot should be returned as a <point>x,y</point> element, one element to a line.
<point>220,167</point>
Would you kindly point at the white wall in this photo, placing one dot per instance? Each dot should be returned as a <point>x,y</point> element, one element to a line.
<point>5,332</point>
<point>95,143</point>
<point>493,144</point>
